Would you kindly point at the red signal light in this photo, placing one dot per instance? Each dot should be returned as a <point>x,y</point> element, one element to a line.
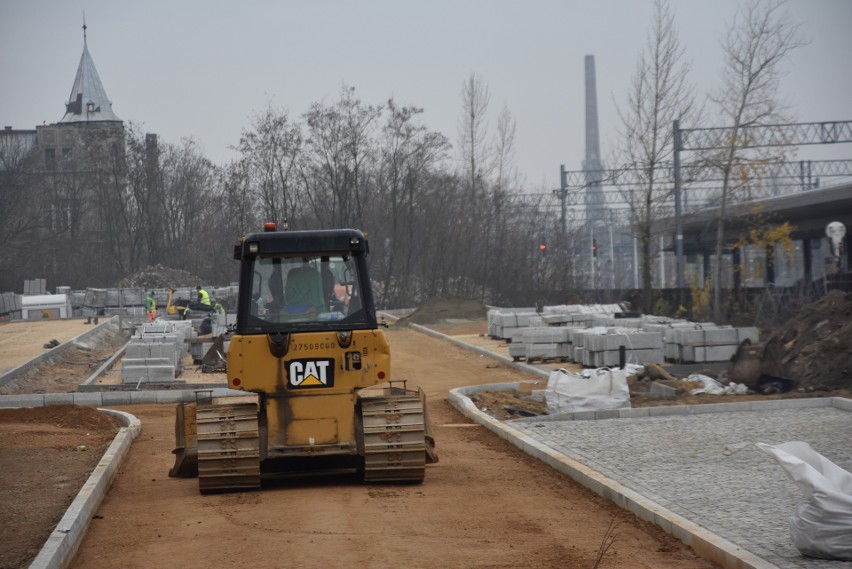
<point>542,247</point>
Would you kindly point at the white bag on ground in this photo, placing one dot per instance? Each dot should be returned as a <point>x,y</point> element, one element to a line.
<point>821,526</point>
<point>600,389</point>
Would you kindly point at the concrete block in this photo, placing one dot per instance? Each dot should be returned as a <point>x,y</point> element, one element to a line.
<point>507,320</point>
<point>607,414</point>
<point>146,361</point>
<point>539,351</point>
<point>703,354</point>
<point>634,340</point>
<point>610,358</point>
<point>88,399</point>
<point>554,319</point>
<point>524,318</point>
<point>23,400</point>
<point>671,351</point>
<point>143,397</point>
<point>145,350</point>
<point>161,374</point>
<point>115,398</point>
<point>169,395</point>
<point>134,374</point>
<point>59,399</point>
<point>517,350</point>
<point>716,337</point>
<point>546,335</point>
<point>516,335</point>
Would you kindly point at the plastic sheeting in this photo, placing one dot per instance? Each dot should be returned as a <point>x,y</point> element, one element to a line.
<point>821,525</point>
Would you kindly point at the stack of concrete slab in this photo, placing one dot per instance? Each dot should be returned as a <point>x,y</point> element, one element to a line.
<point>78,299</point>
<point>604,350</point>
<point>11,305</point>
<point>577,341</point>
<point>711,344</point>
<point>94,302</point>
<point>155,352</point>
<point>544,342</point>
<point>508,323</point>
<point>35,287</point>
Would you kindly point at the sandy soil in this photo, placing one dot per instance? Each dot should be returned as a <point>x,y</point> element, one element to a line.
<point>66,370</point>
<point>22,340</point>
<point>46,455</point>
<point>485,504</point>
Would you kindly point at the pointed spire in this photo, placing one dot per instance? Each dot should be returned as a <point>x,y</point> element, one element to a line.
<point>88,101</point>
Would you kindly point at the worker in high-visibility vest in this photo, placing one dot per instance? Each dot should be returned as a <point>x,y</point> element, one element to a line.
<point>203,296</point>
<point>151,306</point>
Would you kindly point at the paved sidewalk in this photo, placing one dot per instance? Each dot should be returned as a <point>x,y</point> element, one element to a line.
<point>706,467</point>
<point>699,463</point>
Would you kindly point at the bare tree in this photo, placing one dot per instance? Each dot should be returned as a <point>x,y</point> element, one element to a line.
<point>270,151</point>
<point>338,159</point>
<point>477,166</point>
<point>660,93</point>
<point>755,48</point>
<point>409,153</point>
<point>188,180</point>
<point>20,187</point>
<point>505,181</point>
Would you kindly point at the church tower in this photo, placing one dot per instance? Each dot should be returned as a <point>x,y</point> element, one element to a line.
<point>88,102</point>
<point>88,117</point>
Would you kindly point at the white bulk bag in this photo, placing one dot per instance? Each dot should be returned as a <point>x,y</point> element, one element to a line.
<point>595,390</point>
<point>821,525</point>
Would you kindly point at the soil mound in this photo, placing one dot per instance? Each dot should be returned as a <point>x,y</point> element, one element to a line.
<point>441,308</point>
<point>65,416</point>
<point>158,276</point>
<point>815,345</point>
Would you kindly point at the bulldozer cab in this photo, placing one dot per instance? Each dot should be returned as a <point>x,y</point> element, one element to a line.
<point>304,281</point>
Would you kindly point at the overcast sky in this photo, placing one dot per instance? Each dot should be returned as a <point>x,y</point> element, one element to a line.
<point>202,69</point>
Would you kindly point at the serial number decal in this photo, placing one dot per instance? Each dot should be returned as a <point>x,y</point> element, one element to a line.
<point>313,346</point>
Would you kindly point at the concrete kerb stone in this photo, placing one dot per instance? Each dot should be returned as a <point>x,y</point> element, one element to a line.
<point>706,544</point>
<point>29,364</point>
<point>60,548</point>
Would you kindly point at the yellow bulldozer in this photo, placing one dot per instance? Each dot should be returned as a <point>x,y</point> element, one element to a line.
<point>315,366</point>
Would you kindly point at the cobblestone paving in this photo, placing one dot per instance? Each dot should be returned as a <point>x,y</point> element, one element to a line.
<point>706,467</point>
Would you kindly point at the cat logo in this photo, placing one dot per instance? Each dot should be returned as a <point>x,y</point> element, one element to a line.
<point>305,374</point>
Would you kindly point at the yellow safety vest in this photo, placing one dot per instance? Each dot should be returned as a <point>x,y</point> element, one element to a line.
<point>205,298</point>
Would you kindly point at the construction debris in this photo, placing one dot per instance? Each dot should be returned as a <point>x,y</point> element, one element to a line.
<point>814,347</point>
<point>158,276</point>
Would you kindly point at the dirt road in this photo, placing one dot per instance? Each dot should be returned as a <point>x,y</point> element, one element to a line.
<point>485,504</point>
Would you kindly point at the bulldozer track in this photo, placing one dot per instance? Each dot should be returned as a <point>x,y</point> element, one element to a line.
<point>394,434</point>
<point>228,447</point>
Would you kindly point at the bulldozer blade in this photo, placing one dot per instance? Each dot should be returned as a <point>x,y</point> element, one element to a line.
<point>431,455</point>
<point>214,359</point>
<point>186,442</point>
